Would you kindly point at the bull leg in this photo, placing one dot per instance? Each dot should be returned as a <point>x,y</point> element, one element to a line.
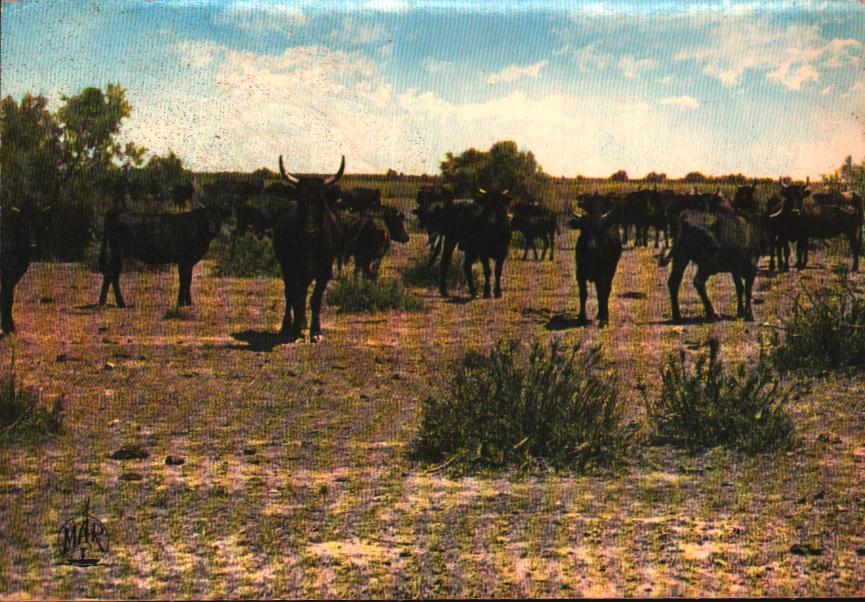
<point>546,242</point>
<point>103,293</point>
<point>740,291</point>
<point>485,263</point>
<point>500,262</point>
<point>467,270</point>
<point>552,241</point>
<point>7,297</point>
<point>584,295</point>
<point>525,248</point>
<point>115,283</point>
<point>673,284</point>
<point>602,289</point>
<point>447,253</point>
<point>749,287</point>
<point>534,249</point>
<point>285,330</point>
<point>299,308</point>
<point>183,295</point>
<point>436,247</point>
<point>801,253</point>
<point>853,239</point>
<point>315,307</point>
<point>700,284</point>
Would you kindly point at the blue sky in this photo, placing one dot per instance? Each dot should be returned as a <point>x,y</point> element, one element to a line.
<point>762,88</point>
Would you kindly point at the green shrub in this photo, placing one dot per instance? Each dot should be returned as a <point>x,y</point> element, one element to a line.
<point>554,407</point>
<point>355,294</point>
<point>252,257</point>
<point>825,330</point>
<point>745,408</point>
<point>22,416</point>
<point>419,273</point>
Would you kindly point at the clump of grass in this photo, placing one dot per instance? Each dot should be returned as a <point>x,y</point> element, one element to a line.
<point>420,273</point>
<point>825,330</point>
<point>360,295</point>
<point>251,258</point>
<point>23,417</point>
<point>554,406</point>
<point>708,406</point>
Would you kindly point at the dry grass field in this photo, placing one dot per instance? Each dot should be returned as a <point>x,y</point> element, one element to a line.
<point>298,481</point>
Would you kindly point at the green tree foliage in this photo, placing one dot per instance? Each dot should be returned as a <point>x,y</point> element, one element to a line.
<point>30,153</point>
<point>619,176</point>
<point>848,175</point>
<point>654,178</point>
<point>503,166</point>
<point>694,176</point>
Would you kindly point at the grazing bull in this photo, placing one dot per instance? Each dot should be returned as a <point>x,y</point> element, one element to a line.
<point>181,238</point>
<point>828,220</point>
<point>430,202</point>
<point>16,247</point>
<point>534,222</point>
<point>718,243</point>
<point>367,238</point>
<point>482,229</point>
<point>306,238</point>
<point>355,200</point>
<point>597,254</point>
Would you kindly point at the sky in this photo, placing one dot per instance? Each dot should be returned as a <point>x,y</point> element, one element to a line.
<point>762,88</point>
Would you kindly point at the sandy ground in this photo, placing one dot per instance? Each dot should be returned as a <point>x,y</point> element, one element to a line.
<point>297,480</point>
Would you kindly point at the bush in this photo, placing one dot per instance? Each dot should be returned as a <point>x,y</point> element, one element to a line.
<point>418,273</point>
<point>744,409</point>
<point>23,417</point>
<point>252,257</point>
<point>360,295</point>
<point>825,331</point>
<point>554,407</point>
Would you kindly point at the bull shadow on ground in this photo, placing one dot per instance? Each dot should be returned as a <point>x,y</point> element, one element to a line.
<point>555,320</point>
<point>258,340</point>
<point>689,321</point>
<point>460,299</point>
<point>632,295</point>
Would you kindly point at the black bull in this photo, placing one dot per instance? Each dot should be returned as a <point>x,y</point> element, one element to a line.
<point>718,243</point>
<point>482,229</point>
<point>16,245</point>
<point>306,238</point>
<point>182,239</point>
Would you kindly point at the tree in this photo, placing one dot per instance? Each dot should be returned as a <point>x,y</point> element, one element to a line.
<point>654,178</point>
<point>504,166</point>
<point>694,176</point>
<point>30,152</point>
<point>619,176</point>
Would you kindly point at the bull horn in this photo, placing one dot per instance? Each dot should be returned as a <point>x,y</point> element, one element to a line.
<point>15,209</point>
<point>505,191</point>
<point>482,191</point>
<point>777,213</point>
<point>288,177</point>
<point>606,215</point>
<point>335,178</point>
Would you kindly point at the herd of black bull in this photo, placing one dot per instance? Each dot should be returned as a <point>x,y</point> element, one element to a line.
<point>313,224</point>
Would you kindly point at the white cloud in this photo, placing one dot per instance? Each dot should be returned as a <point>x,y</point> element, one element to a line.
<point>793,79</point>
<point>825,90</point>
<point>386,5</point>
<point>515,72</point>
<point>587,58</point>
<point>790,56</point>
<point>631,67</point>
<point>684,102</point>
<point>199,54</point>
